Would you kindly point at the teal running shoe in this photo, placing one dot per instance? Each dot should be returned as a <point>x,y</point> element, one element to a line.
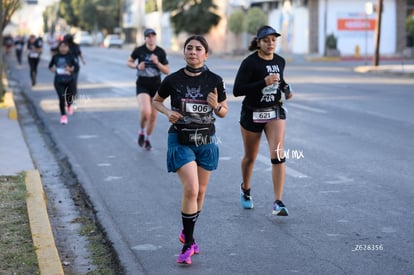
<point>246,200</point>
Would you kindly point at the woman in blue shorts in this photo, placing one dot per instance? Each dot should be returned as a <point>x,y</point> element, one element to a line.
<point>196,95</point>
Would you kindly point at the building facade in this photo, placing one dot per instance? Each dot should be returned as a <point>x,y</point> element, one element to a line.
<point>304,25</point>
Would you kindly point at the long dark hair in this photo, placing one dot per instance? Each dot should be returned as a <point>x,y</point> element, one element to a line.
<point>200,39</point>
<point>253,45</point>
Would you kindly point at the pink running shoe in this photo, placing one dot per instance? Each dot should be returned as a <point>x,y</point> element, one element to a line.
<point>194,245</point>
<point>185,258</point>
<point>69,110</point>
<point>64,119</point>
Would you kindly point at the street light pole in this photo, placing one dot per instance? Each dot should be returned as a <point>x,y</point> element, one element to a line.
<point>375,60</point>
<point>160,12</point>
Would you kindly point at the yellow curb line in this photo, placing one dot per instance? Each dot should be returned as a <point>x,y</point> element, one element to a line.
<point>323,58</point>
<point>47,254</point>
<point>9,104</point>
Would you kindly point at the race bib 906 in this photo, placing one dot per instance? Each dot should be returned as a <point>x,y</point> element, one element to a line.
<point>200,108</point>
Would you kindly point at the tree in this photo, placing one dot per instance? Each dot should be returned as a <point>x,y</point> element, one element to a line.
<point>150,6</point>
<point>409,27</point>
<point>66,11</point>
<point>235,22</point>
<point>254,20</point>
<point>89,15</point>
<point>409,24</point>
<point>7,9</point>
<point>236,19</point>
<point>192,16</point>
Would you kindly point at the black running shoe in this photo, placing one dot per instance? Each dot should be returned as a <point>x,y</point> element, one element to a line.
<point>141,139</point>
<point>279,209</point>
<point>147,145</point>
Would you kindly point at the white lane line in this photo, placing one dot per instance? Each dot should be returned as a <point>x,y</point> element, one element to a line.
<point>87,136</point>
<point>289,171</point>
<point>306,108</point>
<point>340,180</point>
<point>104,164</point>
<point>146,247</point>
<point>112,178</point>
<point>294,173</point>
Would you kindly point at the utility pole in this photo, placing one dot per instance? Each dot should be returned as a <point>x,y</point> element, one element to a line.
<point>325,23</point>
<point>121,15</point>
<point>1,51</point>
<point>141,20</point>
<point>160,13</point>
<point>375,60</point>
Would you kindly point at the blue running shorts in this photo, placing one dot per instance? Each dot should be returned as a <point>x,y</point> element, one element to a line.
<point>206,155</point>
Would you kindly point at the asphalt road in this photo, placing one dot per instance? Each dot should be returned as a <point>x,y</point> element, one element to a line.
<point>348,186</point>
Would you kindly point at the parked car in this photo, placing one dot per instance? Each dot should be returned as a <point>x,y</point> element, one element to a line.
<point>83,38</point>
<point>113,40</point>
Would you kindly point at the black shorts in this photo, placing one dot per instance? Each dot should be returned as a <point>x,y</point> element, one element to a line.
<point>246,118</point>
<point>148,87</point>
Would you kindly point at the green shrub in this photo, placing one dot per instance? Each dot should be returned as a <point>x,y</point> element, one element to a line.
<point>331,42</point>
<point>255,18</point>
<point>409,25</point>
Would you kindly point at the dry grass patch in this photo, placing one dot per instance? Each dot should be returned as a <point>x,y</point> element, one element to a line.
<point>17,251</point>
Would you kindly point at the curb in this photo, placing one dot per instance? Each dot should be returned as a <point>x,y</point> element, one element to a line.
<point>46,251</point>
<point>9,104</point>
<point>323,59</point>
<point>9,101</point>
<point>41,230</point>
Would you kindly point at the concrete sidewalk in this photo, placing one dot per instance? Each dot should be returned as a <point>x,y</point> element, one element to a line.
<point>15,158</point>
<point>402,69</point>
<point>388,64</point>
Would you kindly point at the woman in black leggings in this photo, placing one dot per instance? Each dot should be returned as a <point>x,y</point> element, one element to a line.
<point>34,48</point>
<point>63,65</point>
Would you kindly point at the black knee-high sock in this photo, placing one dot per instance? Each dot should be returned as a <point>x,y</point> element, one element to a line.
<point>188,227</point>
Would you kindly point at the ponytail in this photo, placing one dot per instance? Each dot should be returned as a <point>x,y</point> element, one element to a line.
<point>253,45</point>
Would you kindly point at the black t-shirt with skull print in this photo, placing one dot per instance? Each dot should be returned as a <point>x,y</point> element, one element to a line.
<point>189,95</point>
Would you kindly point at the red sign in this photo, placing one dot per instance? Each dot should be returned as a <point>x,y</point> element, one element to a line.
<point>355,24</point>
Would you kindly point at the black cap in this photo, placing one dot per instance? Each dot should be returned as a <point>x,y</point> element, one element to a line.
<point>149,31</point>
<point>68,37</point>
<point>265,31</point>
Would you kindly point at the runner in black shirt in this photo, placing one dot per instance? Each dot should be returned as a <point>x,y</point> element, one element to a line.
<point>152,61</point>
<point>19,45</point>
<point>34,48</point>
<point>63,65</point>
<point>260,79</point>
<point>75,51</point>
<point>196,93</point>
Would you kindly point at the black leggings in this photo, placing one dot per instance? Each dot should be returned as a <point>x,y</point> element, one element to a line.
<point>33,63</point>
<point>66,93</point>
